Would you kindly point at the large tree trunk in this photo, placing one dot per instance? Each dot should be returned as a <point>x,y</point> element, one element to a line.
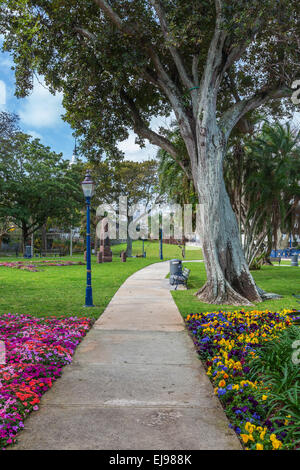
<point>228,277</point>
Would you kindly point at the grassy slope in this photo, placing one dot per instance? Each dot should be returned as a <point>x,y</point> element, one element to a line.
<point>61,290</point>
<point>282,280</point>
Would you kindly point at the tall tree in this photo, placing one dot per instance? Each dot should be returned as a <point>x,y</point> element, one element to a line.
<point>263,183</point>
<point>122,62</point>
<point>35,184</point>
<point>137,181</point>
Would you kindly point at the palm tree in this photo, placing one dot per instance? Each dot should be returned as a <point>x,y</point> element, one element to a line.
<point>262,180</point>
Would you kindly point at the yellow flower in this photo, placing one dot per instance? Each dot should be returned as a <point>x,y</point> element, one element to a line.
<point>262,435</point>
<point>249,427</point>
<point>259,446</point>
<point>264,397</point>
<point>245,438</point>
<point>222,383</point>
<point>276,444</point>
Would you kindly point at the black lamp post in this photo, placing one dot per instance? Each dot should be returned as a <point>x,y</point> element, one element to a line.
<point>88,187</point>
<point>161,256</point>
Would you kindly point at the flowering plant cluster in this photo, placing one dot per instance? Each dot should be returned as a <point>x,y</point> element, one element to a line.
<point>33,267</point>
<point>227,342</point>
<point>36,351</point>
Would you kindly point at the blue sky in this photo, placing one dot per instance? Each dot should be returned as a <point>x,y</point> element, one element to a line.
<point>40,116</point>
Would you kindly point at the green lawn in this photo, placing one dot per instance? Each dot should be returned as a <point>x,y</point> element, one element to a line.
<point>281,280</point>
<point>61,290</point>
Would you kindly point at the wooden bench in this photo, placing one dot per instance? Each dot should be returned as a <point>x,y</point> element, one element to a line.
<point>52,253</point>
<point>177,279</point>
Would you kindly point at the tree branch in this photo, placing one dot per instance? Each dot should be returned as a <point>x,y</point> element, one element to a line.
<point>163,79</point>
<point>211,76</point>
<point>84,32</point>
<point>236,52</point>
<point>239,109</point>
<point>143,130</point>
<point>187,82</point>
<point>118,22</point>
<point>195,71</point>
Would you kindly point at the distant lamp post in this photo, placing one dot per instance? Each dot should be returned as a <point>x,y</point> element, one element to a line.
<point>161,256</point>
<point>72,162</point>
<point>144,253</point>
<point>88,187</point>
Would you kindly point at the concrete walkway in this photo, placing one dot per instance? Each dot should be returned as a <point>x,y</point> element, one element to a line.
<point>135,383</point>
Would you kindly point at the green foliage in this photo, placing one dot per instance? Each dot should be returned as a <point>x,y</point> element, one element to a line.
<point>36,183</point>
<point>273,186</point>
<point>175,182</point>
<point>136,180</point>
<point>282,378</point>
<point>261,176</point>
<point>107,71</point>
<point>257,263</point>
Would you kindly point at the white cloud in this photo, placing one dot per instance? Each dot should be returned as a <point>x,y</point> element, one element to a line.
<point>41,109</point>
<point>134,152</point>
<point>34,134</point>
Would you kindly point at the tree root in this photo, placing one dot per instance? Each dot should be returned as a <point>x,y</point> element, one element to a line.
<point>223,294</point>
<point>267,295</point>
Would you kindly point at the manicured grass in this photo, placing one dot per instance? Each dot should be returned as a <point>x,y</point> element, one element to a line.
<point>61,290</point>
<point>152,250</point>
<point>281,280</point>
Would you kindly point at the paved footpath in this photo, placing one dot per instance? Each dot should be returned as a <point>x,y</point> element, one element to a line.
<point>135,382</point>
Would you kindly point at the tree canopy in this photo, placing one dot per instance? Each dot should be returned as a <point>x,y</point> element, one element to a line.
<point>36,183</point>
<point>121,63</point>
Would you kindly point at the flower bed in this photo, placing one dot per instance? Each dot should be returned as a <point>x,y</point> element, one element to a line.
<point>36,351</point>
<point>33,267</point>
<point>227,342</point>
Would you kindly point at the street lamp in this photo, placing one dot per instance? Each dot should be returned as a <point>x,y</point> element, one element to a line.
<point>161,256</point>
<point>88,187</point>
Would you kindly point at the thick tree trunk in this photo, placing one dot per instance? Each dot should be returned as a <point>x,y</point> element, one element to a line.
<point>228,277</point>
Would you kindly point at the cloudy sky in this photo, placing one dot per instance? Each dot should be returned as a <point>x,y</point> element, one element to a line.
<point>40,116</point>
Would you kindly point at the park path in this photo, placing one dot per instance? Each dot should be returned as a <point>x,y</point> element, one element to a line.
<point>135,382</point>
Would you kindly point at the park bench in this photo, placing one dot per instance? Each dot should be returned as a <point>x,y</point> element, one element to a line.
<point>9,253</point>
<point>278,259</point>
<point>182,278</point>
<point>53,252</point>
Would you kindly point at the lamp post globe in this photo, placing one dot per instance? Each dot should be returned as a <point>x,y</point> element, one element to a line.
<point>88,188</point>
